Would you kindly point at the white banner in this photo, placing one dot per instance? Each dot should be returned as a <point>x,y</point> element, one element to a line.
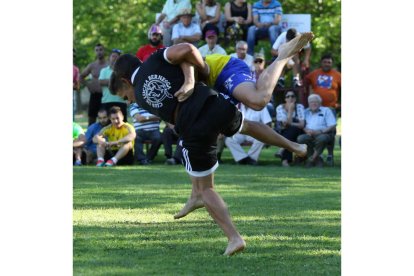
<point>301,22</point>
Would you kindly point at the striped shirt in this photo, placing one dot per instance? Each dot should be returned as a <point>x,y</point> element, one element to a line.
<point>267,13</point>
<point>146,126</point>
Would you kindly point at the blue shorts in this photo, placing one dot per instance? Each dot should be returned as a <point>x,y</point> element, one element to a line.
<point>234,73</point>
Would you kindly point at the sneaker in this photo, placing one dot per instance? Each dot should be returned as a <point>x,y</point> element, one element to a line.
<point>297,83</point>
<point>78,163</point>
<point>329,160</point>
<point>100,163</point>
<point>285,163</point>
<point>170,161</point>
<point>319,162</point>
<point>109,163</point>
<point>279,153</point>
<point>281,83</point>
<point>144,162</point>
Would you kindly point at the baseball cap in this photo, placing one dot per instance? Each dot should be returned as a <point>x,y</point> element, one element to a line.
<point>259,56</point>
<point>115,50</point>
<point>211,33</point>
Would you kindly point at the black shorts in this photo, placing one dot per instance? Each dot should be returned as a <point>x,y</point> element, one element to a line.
<point>94,104</point>
<point>198,134</point>
<point>126,160</point>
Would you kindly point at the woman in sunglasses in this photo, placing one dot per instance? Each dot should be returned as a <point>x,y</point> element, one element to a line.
<point>290,121</point>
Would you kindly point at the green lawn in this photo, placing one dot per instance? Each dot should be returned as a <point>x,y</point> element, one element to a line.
<point>290,218</point>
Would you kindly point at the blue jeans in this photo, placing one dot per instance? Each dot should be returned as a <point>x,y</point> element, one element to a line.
<point>154,136</point>
<point>255,33</point>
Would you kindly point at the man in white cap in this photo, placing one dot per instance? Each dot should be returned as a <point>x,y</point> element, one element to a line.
<point>186,31</point>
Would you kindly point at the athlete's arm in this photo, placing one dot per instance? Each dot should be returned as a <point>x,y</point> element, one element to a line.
<point>186,52</point>
<point>187,88</point>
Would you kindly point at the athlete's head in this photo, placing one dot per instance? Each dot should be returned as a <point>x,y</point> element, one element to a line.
<point>155,35</point>
<point>120,82</point>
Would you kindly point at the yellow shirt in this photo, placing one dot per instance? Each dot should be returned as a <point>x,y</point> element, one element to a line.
<point>111,133</point>
<point>216,63</point>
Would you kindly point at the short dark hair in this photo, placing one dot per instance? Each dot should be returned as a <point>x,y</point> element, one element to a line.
<point>291,34</point>
<point>98,44</point>
<point>103,109</point>
<point>326,56</point>
<point>124,67</point>
<point>115,110</point>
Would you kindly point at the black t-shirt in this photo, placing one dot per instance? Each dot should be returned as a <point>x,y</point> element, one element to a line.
<point>155,84</point>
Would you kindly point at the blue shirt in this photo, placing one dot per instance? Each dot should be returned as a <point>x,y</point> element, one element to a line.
<point>320,119</point>
<point>147,126</point>
<point>90,132</point>
<point>267,13</point>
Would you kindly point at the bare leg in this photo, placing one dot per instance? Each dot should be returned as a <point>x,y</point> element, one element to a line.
<point>268,136</point>
<point>203,189</point>
<point>256,97</point>
<point>193,203</point>
<point>123,151</point>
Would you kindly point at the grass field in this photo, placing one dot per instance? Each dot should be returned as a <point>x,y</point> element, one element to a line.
<point>290,218</point>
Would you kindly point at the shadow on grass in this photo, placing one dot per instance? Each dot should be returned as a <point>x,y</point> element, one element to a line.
<point>195,247</point>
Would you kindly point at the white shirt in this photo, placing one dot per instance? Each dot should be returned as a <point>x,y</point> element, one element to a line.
<point>180,30</point>
<point>262,116</point>
<point>281,39</point>
<point>205,50</point>
<point>319,120</point>
<point>248,60</point>
<point>172,9</point>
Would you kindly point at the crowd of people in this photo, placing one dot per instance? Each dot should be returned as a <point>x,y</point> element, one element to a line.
<point>108,141</point>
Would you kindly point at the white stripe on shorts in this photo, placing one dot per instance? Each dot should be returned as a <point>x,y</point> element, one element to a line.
<point>189,169</point>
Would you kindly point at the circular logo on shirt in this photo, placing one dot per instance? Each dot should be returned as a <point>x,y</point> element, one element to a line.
<point>155,90</point>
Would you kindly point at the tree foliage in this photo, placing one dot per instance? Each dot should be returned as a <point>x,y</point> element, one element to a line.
<point>123,24</point>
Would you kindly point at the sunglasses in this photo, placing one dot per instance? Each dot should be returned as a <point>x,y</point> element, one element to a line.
<point>290,96</point>
<point>258,61</point>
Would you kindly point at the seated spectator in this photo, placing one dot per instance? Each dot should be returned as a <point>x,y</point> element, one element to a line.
<point>108,100</point>
<point>266,18</point>
<point>208,12</point>
<point>211,47</point>
<point>295,63</point>
<point>241,53</point>
<point>290,120</point>
<point>238,15</point>
<point>155,43</point>
<point>169,17</point>
<point>325,82</point>
<point>234,142</point>
<point>95,128</point>
<point>169,137</point>
<point>147,128</point>
<point>185,30</point>
<point>115,141</point>
<point>319,130</point>
<point>259,64</point>
<point>78,143</point>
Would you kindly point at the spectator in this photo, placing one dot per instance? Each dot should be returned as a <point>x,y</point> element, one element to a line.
<point>154,38</point>
<point>169,17</point>
<point>76,85</point>
<point>109,100</point>
<point>169,137</point>
<point>319,130</point>
<point>241,53</point>
<point>295,63</point>
<point>93,86</point>
<point>290,120</point>
<point>78,143</point>
<point>259,66</point>
<point>90,146</point>
<point>211,47</point>
<point>186,31</point>
<point>208,12</point>
<point>326,82</point>
<point>238,15</point>
<point>115,141</point>
<point>147,128</point>
<point>266,17</point>
<point>234,142</point>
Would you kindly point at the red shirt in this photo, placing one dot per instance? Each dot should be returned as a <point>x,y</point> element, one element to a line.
<point>326,85</point>
<point>145,51</point>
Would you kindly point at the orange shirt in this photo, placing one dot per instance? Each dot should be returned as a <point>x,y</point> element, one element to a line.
<point>326,85</point>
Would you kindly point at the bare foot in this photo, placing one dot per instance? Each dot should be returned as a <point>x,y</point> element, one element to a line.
<point>191,205</point>
<point>235,246</point>
<point>301,150</point>
<point>289,49</point>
